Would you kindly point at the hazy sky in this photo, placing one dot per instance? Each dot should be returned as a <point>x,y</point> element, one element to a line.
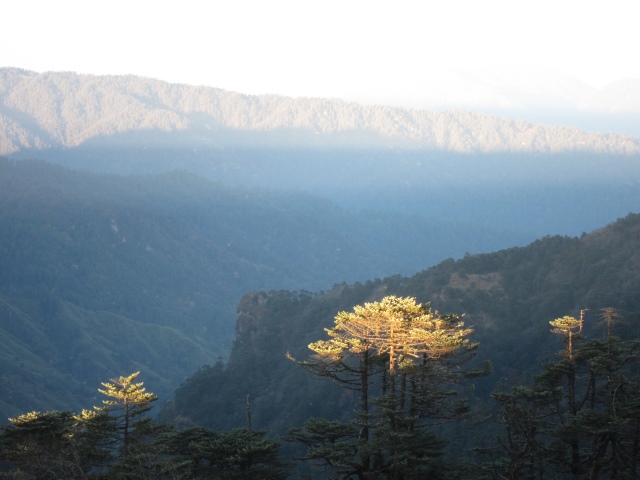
<point>320,48</point>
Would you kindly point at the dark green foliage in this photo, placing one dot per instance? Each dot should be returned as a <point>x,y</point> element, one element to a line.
<point>57,445</point>
<point>199,452</point>
<point>330,444</point>
<point>578,418</point>
<point>520,452</point>
<point>120,441</point>
<point>44,446</point>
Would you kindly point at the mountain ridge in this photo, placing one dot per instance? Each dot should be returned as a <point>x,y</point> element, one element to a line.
<point>51,110</point>
<point>507,297</point>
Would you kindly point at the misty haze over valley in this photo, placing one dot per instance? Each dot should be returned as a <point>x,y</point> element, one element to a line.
<point>454,165</point>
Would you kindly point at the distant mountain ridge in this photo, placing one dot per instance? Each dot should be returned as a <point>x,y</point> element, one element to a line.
<point>63,109</point>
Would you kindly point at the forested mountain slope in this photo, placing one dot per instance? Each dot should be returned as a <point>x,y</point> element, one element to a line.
<point>62,109</point>
<point>105,274</point>
<point>508,297</point>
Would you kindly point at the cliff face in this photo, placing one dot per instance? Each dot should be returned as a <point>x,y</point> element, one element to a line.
<point>266,324</point>
<point>251,309</point>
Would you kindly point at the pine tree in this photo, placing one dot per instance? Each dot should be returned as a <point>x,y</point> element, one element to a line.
<point>579,418</point>
<point>127,410</point>
<point>237,454</point>
<point>123,429</point>
<point>408,356</point>
<point>43,445</point>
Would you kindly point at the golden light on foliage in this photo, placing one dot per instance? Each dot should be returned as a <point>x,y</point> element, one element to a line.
<point>395,326</point>
<point>126,392</point>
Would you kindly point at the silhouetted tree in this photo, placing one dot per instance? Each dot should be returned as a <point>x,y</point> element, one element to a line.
<point>579,418</point>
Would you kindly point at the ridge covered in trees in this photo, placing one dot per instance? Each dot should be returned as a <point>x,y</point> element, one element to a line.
<point>63,109</point>
<point>507,297</point>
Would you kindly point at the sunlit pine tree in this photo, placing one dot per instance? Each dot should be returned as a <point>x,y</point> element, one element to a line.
<point>121,421</point>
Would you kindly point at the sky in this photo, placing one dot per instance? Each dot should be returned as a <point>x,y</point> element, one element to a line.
<point>345,49</point>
